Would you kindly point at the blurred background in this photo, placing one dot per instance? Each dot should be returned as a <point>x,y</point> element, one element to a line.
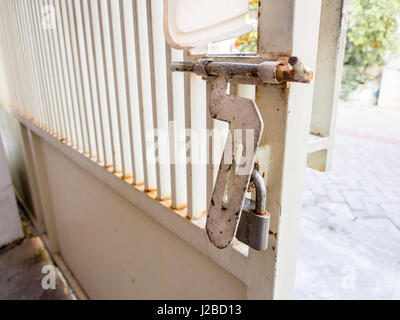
<point>350,236</point>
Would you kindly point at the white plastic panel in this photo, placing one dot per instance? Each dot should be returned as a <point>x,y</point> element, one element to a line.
<point>190,23</point>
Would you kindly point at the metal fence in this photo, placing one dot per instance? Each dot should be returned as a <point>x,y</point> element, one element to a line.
<point>95,74</point>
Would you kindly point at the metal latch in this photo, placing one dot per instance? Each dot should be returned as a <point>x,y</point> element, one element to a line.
<point>253,226</point>
<point>228,196</point>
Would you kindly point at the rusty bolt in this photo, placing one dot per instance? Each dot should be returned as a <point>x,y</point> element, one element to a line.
<point>293,70</point>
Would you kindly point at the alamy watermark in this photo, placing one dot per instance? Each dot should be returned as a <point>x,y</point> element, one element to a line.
<point>183,146</point>
<point>48,17</point>
<point>49,279</point>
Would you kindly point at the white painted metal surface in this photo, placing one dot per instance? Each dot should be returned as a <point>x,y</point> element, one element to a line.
<point>190,23</point>
<point>90,88</point>
<point>328,75</point>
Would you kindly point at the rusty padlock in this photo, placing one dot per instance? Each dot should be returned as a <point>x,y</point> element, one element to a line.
<point>253,228</point>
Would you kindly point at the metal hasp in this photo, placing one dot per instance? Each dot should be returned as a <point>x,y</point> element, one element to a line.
<point>253,226</point>
<point>243,116</point>
<point>233,177</point>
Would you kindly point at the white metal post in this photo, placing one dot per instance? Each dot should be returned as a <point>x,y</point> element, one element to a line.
<point>332,37</point>
<point>286,28</point>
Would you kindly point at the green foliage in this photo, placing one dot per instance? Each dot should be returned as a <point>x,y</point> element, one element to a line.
<point>248,41</point>
<point>372,32</point>
<point>372,35</point>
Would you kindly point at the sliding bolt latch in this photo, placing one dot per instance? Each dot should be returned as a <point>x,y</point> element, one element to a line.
<point>242,114</point>
<point>269,72</point>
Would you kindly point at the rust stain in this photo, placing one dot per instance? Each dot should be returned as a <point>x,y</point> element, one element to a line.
<point>292,69</point>
<point>181,207</point>
<point>163,199</point>
<point>275,235</point>
<point>127,177</point>
<point>117,173</point>
<point>151,193</point>
<point>128,180</point>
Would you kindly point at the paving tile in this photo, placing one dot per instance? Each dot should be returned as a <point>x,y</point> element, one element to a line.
<point>350,246</point>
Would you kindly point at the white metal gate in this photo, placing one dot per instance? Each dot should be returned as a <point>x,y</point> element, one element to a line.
<point>90,80</point>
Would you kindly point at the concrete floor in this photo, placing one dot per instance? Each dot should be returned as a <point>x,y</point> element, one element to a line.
<point>21,274</point>
<point>350,235</point>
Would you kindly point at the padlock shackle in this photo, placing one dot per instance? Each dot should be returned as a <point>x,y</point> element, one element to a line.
<point>261,192</point>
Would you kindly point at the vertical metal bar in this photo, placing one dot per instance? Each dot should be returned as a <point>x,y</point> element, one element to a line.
<point>22,60</point>
<point>198,150</point>
<point>11,55</point>
<point>120,98</point>
<point>72,75</point>
<point>14,42</point>
<point>106,134</point>
<point>44,85</point>
<point>91,81</point>
<point>5,52</point>
<point>32,93</point>
<point>34,65</point>
<point>129,57</point>
<point>6,49</point>
<point>188,125</point>
<point>159,96</point>
<point>84,76</point>
<point>107,74</point>
<point>173,132</point>
<point>44,62</point>
<point>87,147</point>
<point>210,147</point>
<point>69,80</point>
<point>144,83</point>
<point>11,43</point>
<point>51,72</point>
<point>62,74</point>
<point>56,78</point>
<point>328,75</point>
<point>57,74</point>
